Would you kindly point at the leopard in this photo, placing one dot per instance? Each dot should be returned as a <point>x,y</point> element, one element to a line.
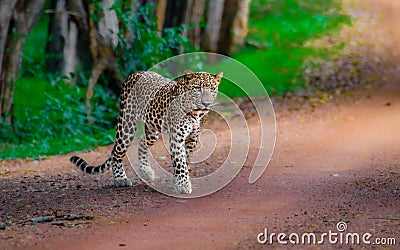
<point>176,108</point>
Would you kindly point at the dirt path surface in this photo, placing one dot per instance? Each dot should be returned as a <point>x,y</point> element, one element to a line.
<point>337,162</point>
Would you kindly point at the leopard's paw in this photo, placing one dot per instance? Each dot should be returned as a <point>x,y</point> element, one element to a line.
<point>147,174</point>
<point>123,182</point>
<point>182,186</point>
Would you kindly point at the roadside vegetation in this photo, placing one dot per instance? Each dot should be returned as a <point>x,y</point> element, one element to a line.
<point>50,116</point>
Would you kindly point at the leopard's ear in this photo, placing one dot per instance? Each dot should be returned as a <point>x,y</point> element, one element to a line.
<point>218,77</point>
<point>188,74</point>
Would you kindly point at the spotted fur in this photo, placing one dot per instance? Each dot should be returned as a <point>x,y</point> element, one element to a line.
<point>163,105</point>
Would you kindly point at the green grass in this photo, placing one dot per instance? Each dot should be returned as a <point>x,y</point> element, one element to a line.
<point>278,33</point>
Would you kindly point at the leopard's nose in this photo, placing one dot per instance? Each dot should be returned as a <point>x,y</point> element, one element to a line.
<point>206,103</point>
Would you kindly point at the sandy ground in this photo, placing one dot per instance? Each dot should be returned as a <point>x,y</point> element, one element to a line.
<point>336,162</point>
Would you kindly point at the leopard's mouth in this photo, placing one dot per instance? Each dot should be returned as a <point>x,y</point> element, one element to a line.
<point>206,108</point>
<point>201,109</point>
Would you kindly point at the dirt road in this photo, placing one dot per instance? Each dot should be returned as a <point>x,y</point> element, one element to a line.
<point>337,162</point>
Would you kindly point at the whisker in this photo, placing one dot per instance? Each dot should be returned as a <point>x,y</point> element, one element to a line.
<point>213,105</point>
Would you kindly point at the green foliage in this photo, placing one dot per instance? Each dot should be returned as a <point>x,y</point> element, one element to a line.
<point>277,50</point>
<point>141,45</point>
<point>50,116</point>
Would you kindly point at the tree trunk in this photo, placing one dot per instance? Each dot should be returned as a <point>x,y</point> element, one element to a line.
<point>5,17</point>
<point>160,13</point>
<point>77,37</point>
<point>103,40</point>
<point>233,26</point>
<point>226,22</point>
<point>240,22</point>
<point>225,38</point>
<point>214,18</point>
<point>194,12</point>
<point>174,14</point>
<point>68,21</point>
<point>17,17</point>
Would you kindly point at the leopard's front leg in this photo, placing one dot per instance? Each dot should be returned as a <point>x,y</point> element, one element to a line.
<point>191,142</point>
<point>181,179</point>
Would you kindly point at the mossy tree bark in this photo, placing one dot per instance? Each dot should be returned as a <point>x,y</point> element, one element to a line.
<point>17,18</point>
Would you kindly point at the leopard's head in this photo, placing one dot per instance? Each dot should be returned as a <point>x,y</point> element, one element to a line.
<point>201,88</point>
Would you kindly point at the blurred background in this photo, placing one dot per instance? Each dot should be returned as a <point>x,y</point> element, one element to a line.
<point>61,59</point>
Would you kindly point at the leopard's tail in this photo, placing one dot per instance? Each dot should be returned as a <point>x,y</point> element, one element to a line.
<point>89,169</point>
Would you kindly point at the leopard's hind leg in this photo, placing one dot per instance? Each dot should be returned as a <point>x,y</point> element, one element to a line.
<point>124,136</point>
